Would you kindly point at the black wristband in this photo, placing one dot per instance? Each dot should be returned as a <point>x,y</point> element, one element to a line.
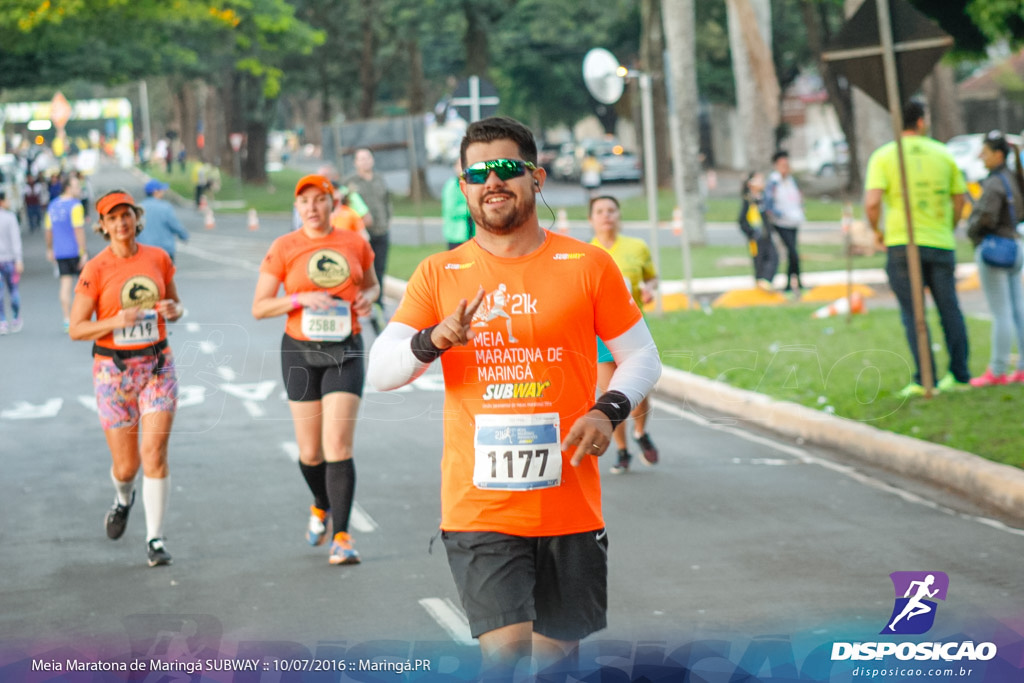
<point>615,405</point>
<point>423,348</point>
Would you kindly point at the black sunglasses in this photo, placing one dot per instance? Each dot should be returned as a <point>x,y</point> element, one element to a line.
<point>506,169</point>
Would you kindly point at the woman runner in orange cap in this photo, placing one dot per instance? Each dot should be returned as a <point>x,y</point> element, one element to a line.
<point>123,299</point>
<point>329,283</point>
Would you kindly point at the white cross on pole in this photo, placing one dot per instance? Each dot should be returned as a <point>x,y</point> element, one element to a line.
<point>474,100</point>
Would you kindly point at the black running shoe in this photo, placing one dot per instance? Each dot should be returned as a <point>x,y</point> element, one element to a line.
<point>117,518</point>
<point>648,451</point>
<point>157,553</point>
<point>622,464</point>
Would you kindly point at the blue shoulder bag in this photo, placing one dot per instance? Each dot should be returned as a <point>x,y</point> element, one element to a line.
<point>997,251</point>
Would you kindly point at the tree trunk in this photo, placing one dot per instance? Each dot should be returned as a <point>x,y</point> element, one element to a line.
<point>475,39</point>
<point>417,105</point>
<point>757,86</point>
<point>254,162</point>
<point>652,50</point>
<point>680,35</point>
<point>213,125</point>
<point>946,113</point>
<point>254,110</point>
<point>839,96</point>
<point>367,69</point>
<point>229,93</point>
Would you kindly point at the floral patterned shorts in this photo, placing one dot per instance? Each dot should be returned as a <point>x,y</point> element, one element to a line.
<point>122,397</point>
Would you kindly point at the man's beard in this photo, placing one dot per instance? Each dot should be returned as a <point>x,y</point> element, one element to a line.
<point>509,223</point>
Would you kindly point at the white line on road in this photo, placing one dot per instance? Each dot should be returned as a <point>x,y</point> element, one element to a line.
<point>193,327</point>
<point>360,520</point>
<point>291,449</point>
<point>254,408</point>
<point>23,410</point>
<point>450,618</point>
<point>845,470</point>
<point>217,258</point>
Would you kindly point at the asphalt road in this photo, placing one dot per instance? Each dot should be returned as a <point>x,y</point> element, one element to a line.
<point>735,535</point>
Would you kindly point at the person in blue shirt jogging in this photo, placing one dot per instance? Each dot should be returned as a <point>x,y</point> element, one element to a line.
<point>162,225</point>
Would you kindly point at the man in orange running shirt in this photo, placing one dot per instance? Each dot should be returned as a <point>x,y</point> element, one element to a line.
<point>513,314</point>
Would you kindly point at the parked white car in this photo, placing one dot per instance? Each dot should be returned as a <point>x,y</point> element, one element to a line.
<point>965,150</point>
<point>828,156</point>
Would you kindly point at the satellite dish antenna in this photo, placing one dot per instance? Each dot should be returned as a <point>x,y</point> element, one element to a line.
<point>602,77</point>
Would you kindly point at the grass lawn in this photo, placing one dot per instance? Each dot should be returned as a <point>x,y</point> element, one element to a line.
<point>713,261</point>
<point>853,370</point>
<point>276,196</point>
<point>718,209</point>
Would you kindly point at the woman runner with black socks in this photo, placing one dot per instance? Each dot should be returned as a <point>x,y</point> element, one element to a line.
<point>328,283</point>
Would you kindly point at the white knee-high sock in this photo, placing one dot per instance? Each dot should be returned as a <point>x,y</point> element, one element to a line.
<point>122,489</point>
<point>155,493</point>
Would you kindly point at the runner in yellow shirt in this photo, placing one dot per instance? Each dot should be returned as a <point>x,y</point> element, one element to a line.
<point>633,258</point>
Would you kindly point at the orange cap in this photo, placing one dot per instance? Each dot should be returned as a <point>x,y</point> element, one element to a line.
<point>108,202</point>
<point>317,181</point>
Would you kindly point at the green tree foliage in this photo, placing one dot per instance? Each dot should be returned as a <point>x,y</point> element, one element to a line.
<point>537,51</point>
<point>106,41</point>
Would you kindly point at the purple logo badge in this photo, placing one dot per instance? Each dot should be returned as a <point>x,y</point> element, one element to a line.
<point>914,610</point>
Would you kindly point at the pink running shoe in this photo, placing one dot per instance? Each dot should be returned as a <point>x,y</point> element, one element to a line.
<point>988,379</point>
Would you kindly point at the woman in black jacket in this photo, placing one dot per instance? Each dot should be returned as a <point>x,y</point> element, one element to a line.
<point>757,227</point>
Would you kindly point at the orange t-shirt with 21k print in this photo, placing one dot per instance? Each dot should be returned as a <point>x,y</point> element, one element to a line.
<point>515,390</point>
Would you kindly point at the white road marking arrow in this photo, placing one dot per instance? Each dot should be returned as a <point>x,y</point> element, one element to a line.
<point>23,410</point>
<point>258,391</point>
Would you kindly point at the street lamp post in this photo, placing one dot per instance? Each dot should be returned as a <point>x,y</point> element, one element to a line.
<point>650,165</point>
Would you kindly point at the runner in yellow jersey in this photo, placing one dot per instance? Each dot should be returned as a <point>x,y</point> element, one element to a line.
<point>633,258</point>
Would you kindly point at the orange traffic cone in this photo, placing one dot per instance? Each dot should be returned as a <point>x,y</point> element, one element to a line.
<point>677,221</point>
<point>853,304</point>
<point>562,221</point>
<point>210,223</point>
<point>254,220</point>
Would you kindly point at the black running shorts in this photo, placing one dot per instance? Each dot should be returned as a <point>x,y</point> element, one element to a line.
<point>560,583</point>
<point>69,266</point>
<point>310,374</point>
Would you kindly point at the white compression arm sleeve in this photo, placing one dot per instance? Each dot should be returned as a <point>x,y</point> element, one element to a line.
<point>392,363</point>
<point>638,365</point>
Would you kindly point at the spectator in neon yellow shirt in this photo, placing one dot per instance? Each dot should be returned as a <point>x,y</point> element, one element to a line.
<point>937,193</point>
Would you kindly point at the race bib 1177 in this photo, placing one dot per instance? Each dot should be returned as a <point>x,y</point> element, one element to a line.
<point>517,452</point>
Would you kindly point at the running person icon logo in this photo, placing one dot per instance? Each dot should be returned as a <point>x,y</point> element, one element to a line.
<point>327,268</point>
<point>914,612</point>
<point>493,306</point>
